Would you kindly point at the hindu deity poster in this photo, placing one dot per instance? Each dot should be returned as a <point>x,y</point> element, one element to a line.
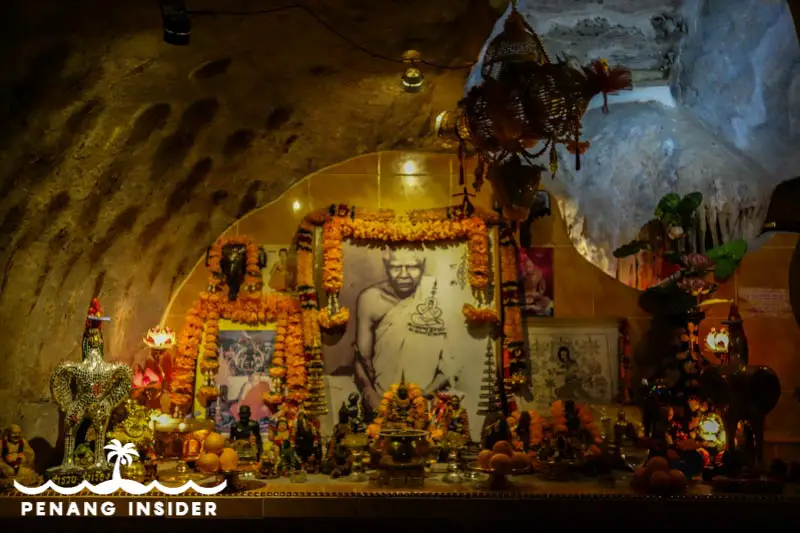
<point>243,377</point>
<point>278,276</point>
<point>536,281</point>
<point>406,320</point>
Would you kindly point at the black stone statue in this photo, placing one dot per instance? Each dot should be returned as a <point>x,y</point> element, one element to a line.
<point>233,266</point>
<point>306,443</point>
<point>355,413</point>
<point>246,429</point>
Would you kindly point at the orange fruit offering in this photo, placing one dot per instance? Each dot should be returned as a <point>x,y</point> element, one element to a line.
<point>214,443</point>
<point>208,463</point>
<point>657,464</point>
<point>484,458</point>
<point>660,480</point>
<point>672,456</point>
<point>677,479</point>
<point>228,459</point>
<point>520,461</point>
<point>503,447</point>
<point>500,463</point>
<point>641,478</point>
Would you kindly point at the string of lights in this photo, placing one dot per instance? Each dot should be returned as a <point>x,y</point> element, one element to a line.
<point>177,29</point>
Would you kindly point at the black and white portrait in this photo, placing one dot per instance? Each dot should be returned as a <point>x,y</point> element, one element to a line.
<point>406,320</point>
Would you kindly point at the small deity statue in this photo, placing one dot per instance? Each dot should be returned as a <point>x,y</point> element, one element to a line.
<point>17,458</point>
<point>667,432</point>
<point>403,407</point>
<point>337,454</point>
<point>656,397</point>
<point>281,433</point>
<point>90,389</point>
<point>306,442</point>
<point>289,461</point>
<point>495,428</point>
<point>624,430</point>
<point>247,430</point>
<point>356,413</point>
<point>401,412</point>
<point>456,417</point>
<point>270,459</point>
<point>524,430</point>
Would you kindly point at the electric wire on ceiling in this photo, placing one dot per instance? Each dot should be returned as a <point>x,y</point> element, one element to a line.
<point>177,28</point>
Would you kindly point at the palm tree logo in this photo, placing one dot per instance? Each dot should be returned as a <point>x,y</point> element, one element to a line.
<point>121,454</point>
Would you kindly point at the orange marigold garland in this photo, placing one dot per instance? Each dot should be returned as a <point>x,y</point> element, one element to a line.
<point>514,357</point>
<point>342,223</point>
<point>250,307</point>
<point>480,315</point>
<point>295,360</point>
<point>333,315</point>
<point>558,411</point>
<point>277,369</point>
<point>252,279</point>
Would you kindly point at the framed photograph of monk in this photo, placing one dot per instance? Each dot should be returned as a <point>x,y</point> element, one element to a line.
<point>536,280</point>
<point>406,322</point>
<point>245,355</point>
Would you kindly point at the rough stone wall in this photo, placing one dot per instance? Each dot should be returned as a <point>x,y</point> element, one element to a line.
<point>732,66</point>
<point>123,158</point>
<point>746,54</point>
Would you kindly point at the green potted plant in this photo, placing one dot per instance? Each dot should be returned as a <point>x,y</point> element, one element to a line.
<point>689,279</point>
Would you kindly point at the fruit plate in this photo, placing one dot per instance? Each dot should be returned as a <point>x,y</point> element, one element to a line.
<point>497,481</point>
<point>513,472</point>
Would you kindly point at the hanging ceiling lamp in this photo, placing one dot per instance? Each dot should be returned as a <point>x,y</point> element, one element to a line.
<point>526,103</point>
<point>412,76</point>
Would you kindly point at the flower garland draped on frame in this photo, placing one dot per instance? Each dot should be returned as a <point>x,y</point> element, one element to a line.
<point>341,223</point>
<point>251,308</point>
<point>299,319</point>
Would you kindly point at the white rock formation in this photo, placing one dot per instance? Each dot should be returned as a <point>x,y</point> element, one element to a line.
<point>725,129</point>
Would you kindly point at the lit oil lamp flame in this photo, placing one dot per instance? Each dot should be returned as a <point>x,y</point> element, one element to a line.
<point>159,338</point>
<point>711,430</point>
<point>717,341</point>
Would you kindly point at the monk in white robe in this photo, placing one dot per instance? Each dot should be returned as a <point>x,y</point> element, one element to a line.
<point>400,328</point>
